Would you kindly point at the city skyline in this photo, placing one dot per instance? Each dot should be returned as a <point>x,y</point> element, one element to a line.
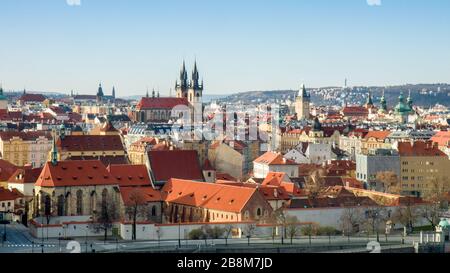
<point>257,45</point>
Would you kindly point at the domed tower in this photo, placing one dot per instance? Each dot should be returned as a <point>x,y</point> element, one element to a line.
<point>3,100</point>
<point>100,93</point>
<point>410,102</point>
<point>302,104</point>
<point>383,104</point>
<point>402,110</point>
<point>369,103</point>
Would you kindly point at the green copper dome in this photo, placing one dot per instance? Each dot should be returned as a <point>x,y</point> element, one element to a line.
<point>2,96</point>
<point>402,108</point>
<point>444,224</point>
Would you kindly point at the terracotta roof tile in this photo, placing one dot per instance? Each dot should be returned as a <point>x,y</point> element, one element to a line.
<point>75,173</point>
<point>161,103</point>
<point>206,195</point>
<point>181,164</point>
<point>130,175</point>
<point>419,148</point>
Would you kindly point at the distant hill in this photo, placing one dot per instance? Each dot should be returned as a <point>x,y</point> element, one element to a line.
<point>422,94</point>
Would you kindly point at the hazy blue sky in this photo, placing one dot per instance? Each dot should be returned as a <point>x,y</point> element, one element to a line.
<point>239,44</point>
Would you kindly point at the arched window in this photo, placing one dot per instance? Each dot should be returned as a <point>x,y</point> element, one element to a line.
<point>48,205</point>
<point>247,215</point>
<point>61,205</point>
<point>154,211</point>
<point>258,212</point>
<point>79,202</point>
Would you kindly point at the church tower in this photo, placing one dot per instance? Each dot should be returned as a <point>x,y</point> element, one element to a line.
<point>302,104</point>
<point>3,100</point>
<point>195,92</point>
<point>191,90</point>
<point>100,93</point>
<point>182,86</point>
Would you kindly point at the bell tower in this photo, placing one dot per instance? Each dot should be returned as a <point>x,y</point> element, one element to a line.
<point>302,104</point>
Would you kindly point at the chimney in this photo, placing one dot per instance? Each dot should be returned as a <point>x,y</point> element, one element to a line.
<point>231,144</point>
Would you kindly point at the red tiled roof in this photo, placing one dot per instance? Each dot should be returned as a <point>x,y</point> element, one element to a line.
<point>272,158</point>
<point>219,197</point>
<point>181,164</point>
<point>7,136</point>
<point>207,166</point>
<point>380,135</point>
<point>7,195</point>
<point>161,103</point>
<point>273,179</point>
<point>130,175</point>
<point>274,193</point>
<point>5,115</point>
<point>148,194</point>
<point>442,138</point>
<point>224,176</point>
<point>355,110</point>
<point>146,141</point>
<point>32,98</point>
<point>90,143</point>
<point>6,169</point>
<point>106,160</point>
<point>419,148</point>
<point>75,173</point>
<point>25,176</point>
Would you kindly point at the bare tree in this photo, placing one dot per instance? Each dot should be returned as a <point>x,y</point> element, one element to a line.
<point>374,217</point>
<point>292,227</point>
<point>104,218</point>
<point>136,208</point>
<point>350,221</point>
<point>390,182</point>
<point>315,183</point>
<point>436,201</point>
<point>279,218</point>
<point>250,231</point>
<point>228,230</point>
<point>407,214</point>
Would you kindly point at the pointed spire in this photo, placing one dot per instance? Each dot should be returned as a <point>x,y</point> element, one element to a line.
<point>54,159</point>
<point>114,92</point>
<point>302,92</point>
<point>383,102</point>
<point>146,95</point>
<point>369,99</point>
<point>158,94</point>
<point>410,100</point>
<point>153,93</point>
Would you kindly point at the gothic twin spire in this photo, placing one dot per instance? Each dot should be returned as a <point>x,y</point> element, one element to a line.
<point>184,81</point>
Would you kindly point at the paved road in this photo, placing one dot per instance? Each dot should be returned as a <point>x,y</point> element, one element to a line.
<point>20,241</point>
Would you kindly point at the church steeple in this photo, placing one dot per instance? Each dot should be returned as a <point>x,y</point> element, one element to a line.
<point>383,102</point>
<point>146,95</point>
<point>195,77</point>
<point>183,76</point>
<point>369,103</point>
<point>113,92</point>
<point>410,101</point>
<point>54,158</point>
<point>153,93</point>
<point>100,93</point>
